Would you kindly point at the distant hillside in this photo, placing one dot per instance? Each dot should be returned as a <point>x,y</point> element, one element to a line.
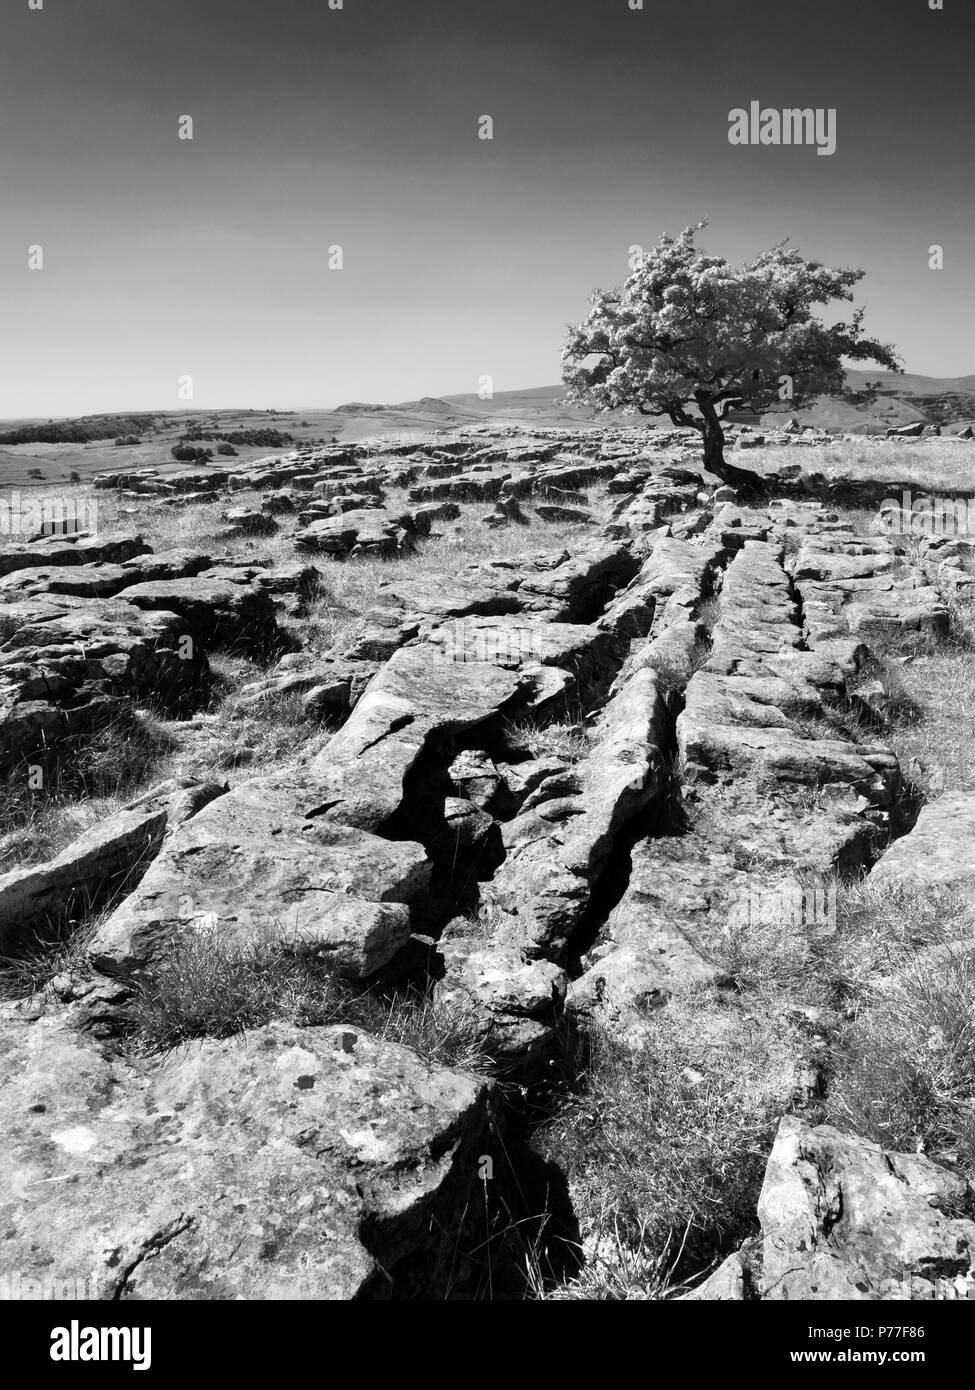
<point>872,402</point>
<point>80,431</point>
<point>34,450</point>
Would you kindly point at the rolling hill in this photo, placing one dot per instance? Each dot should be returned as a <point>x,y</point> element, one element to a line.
<point>43,451</point>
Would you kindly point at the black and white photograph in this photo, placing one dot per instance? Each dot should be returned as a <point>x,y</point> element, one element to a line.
<point>487,669</point>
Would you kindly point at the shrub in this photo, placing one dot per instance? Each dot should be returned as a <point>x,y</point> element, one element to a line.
<point>185,453</point>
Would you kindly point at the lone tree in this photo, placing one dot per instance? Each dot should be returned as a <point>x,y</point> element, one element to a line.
<point>688,330</point>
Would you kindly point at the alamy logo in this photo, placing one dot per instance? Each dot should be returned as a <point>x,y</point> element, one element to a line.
<point>786,905</point>
<point>46,514</point>
<point>77,1343</point>
<point>928,515</point>
<point>15,1288</point>
<point>502,646</point>
<point>792,126</point>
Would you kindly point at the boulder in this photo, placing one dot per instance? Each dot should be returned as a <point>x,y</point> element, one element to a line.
<point>66,664</point>
<point>938,855</point>
<point>415,700</point>
<point>112,854</point>
<point>845,1219</point>
<point>253,865</point>
<point>371,530</point>
<point>283,1163</point>
<point>218,610</point>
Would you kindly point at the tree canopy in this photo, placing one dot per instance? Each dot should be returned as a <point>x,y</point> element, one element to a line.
<point>687,330</point>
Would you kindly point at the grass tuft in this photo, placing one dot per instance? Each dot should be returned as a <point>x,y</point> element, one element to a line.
<point>207,985</point>
<point>666,1144</point>
<point>905,1076</point>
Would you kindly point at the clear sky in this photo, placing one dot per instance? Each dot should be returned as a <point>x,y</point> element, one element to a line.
<point>462,257</point>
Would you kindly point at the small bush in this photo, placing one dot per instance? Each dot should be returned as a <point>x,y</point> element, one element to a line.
<point>186,453</point>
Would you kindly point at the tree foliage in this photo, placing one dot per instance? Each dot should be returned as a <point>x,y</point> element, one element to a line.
<point>690,337</point>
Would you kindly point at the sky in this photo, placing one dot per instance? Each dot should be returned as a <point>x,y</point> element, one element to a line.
<point>462,258</point>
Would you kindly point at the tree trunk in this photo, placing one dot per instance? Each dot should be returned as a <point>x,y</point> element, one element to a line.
<point>714,460</point>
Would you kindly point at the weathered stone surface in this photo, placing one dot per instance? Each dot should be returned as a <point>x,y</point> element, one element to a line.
<point>253,865</point>
<point>473,775</point>
<point>949,562</point>
<point>370,530</point>
<point>727,1284</point>
<point>283,1163</point>
<point>938,855</point>
<point>464,487</point>
<point>860,585</point>
<point>843,1219</point>
<point>737,725</point>
<point>661,498</point>
<point>66,662</point>
<point>71,550</point>
<point>249,521</point>
<point>416,698</point>
<point>677,911</point>
<point>102,580</point>
<point>218,611</point>
<point>557,849</point>
<point>330,688</point>
<point>740,714</point>
<point>588,653</point>
<point>112,853</point>
<point>514,1002</point>
<point>576,587</point>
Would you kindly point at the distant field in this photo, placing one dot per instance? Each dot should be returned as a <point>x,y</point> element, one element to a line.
<point>875,401</point>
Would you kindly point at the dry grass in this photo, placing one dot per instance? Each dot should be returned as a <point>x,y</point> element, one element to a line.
<point>893,992</point>
<point>906,1068</point>
<point>235,739</point>
<point>617,1270</point>
<point>90,777</point>
<point>879,929</point>
<point>567,741</point>
<point>666,1144</point>
<point>93,777</point>
<point>937,750</point>
<point>196,526</point>
<point>59,948</point>
<point>944,464</point>
<point>209,986</point>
